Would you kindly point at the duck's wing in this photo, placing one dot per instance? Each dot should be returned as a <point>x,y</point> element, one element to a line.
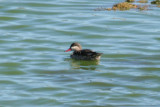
<point>88,52</point>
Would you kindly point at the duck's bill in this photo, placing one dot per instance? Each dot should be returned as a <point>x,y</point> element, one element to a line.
<point>68,50</point>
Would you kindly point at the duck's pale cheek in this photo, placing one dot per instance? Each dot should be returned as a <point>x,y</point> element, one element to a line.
<point>75,48</point>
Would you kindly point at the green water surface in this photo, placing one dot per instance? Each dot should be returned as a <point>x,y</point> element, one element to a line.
<point>36,72</point>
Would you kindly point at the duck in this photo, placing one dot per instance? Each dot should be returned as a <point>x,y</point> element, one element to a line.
<point>82,54</point>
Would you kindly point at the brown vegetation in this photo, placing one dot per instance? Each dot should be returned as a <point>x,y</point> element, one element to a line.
<point>143,1</point>
<point>123,6</point>
<point>155,2</point>
<point>130,0</point>
<point>145,7</point>
<point>127,5</point>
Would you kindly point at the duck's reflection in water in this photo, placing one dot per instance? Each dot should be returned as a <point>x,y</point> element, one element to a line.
<point>82,64</point>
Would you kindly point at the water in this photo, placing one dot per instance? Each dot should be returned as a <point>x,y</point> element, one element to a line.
<point>35,70</point>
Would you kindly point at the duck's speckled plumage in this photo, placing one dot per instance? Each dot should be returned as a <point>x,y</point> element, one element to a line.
<point>83,54</point>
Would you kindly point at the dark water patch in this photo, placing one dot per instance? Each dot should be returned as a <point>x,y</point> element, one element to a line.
<point>118,55</point>
<point>16,50</point>
<point>62,94</point>
<point>150,69</point>
<point>116,75</point>
<point>10,64</point>
<point>46,102</point>
<point>133,87</point>
<point>150,78</point>
<point>7,82</point>
<point>43,4</point>
<point>6,18</point>
<point>135,95</point>
<point>31,102</point>
<point>31,12</point>
<point>2,41</point>
<point>157,38</point>
<point>12,72</point>
<point>85,101</point>
<point>42,49</point>
<point>38,41</point>
<point>15,27</point>
<point>99,84</point>
<point>40,71</point>
<point>51,89</point>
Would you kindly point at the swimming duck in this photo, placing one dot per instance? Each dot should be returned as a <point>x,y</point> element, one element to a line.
<point>83,54</point>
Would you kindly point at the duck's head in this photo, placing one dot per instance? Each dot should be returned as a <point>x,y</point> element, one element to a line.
<point>74,47</point>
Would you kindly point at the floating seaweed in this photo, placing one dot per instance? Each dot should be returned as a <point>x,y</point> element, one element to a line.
<point>143,1</point>
<point>127,5</point>
<point>122,6</point>
<point>130,0</point>
<point>155,2</point>
<point>145,7</point>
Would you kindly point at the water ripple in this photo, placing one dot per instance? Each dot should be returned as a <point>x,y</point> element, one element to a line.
<point>35,71</point>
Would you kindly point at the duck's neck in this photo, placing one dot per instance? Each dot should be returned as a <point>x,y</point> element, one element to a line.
<point>77,50</point>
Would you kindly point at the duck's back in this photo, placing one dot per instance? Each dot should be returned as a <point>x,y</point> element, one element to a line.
<point>86,54</point>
